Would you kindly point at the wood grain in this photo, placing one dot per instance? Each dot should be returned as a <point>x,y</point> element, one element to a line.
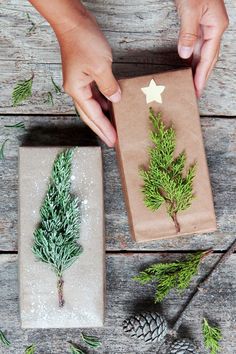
<point>219,137</point>
<point>124,298</point>
<point>143,36</point>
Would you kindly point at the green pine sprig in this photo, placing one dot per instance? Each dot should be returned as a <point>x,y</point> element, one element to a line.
<point>22,91</point>
<point>74,349</point>
<point>49,98</point>
<point>56,239</point>
<point>91,341</point>
<point>4,340</point>
<point>30,350</point>
<point>212,335</point>
<point>19,125</point>
<point>165,181</point>
<point>2,148</point>
<point>57,88</point>
<point>168,276</point>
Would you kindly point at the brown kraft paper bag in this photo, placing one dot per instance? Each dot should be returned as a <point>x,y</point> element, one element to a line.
<point>131,117</point>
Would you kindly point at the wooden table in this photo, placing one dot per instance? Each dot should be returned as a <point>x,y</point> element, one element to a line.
<point>143,35</point>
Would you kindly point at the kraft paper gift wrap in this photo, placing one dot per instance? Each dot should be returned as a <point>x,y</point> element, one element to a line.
<point>131,117</point>
<point>84,280</point>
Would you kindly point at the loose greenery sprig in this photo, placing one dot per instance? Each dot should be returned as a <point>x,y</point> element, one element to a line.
<point>175,275</point>
<point>19,125</point>
<point>56,86</point>
<point>22,91</point>
<point>212,335</point>
<point>91,341</point>
<point>49,98</point>
<point>2,147</point>
<point>30,350</point>
<point>55,240</point>
<point>74,349</point>
<point>164,179</point>
<point>4,340</point>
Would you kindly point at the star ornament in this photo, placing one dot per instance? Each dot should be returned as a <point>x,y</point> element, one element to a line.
<point>153,92</point>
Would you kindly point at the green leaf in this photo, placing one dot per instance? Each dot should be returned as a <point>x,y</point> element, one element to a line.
<point>91,341</point>
<point>164,178</point>
<point>74,349</point>
<point>175,275</point>
<point>30,350</point>
<point>22,91</point>
<point>4,340</point>
<point>212,335</point>
<point>2,147</point>
<point>19,125</point>
<point>57,88</point>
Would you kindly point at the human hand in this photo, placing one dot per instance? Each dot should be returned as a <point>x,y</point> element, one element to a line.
<point>86,60</point>
<point>203,23</point>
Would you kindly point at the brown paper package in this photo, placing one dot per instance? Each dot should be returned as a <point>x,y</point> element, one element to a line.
<point>131,117</point>
<point>84,280</point>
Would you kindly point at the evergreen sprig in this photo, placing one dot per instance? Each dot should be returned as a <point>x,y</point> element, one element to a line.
<point>212,335</point>
<point>164,179</point>
<point>175,275</point>
<point>30,350</point>
<point>22,91</point>
<point>74,349</point>
<point>57,88</point>
<point>4,340</point>
<point>91,341</point>
<point>55,240</point>
<point>2,147</point>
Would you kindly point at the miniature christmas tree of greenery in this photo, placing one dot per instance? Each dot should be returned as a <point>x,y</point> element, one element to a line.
<point>212,336</point>
<point>56,238</point>
<point>164,179</point>
<point>173,275</point>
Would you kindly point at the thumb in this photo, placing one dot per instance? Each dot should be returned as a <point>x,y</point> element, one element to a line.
<point>188,35</point>
<point>107,83</point>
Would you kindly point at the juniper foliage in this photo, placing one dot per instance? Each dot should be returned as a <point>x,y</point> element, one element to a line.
<point>56,238</point>
<point>22,91</point>
<point>168,276</point>
<point>212,335</point>
<point>164,179</point>
<point>91,341</point>
<point>74,349</point>
<point>4,340</point>
<point>30,350</point>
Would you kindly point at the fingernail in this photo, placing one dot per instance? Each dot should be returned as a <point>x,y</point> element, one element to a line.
<point>185,52</point>
<point>116,97</point>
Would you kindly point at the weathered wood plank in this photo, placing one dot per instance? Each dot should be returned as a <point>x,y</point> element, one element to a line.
<point>218,98</point>
<point>124,298</point>
<point>143,37</point>
<point>219,136</point>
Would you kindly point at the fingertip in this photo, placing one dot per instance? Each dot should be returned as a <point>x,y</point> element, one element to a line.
<point>116,97</point>
<point>185,52</point>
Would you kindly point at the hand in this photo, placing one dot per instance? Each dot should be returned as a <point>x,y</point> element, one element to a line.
<point>203,23</point>
<point>86,60</point>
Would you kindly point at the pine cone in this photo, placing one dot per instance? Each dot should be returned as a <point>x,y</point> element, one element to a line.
<point>151,327</point>
<point>183,346</point>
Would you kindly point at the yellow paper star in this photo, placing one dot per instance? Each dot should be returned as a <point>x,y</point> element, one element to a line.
<point>153,92</point>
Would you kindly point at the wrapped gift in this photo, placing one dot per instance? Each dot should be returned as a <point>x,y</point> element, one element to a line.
<point>172,94</point>
<point>84,279</point>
